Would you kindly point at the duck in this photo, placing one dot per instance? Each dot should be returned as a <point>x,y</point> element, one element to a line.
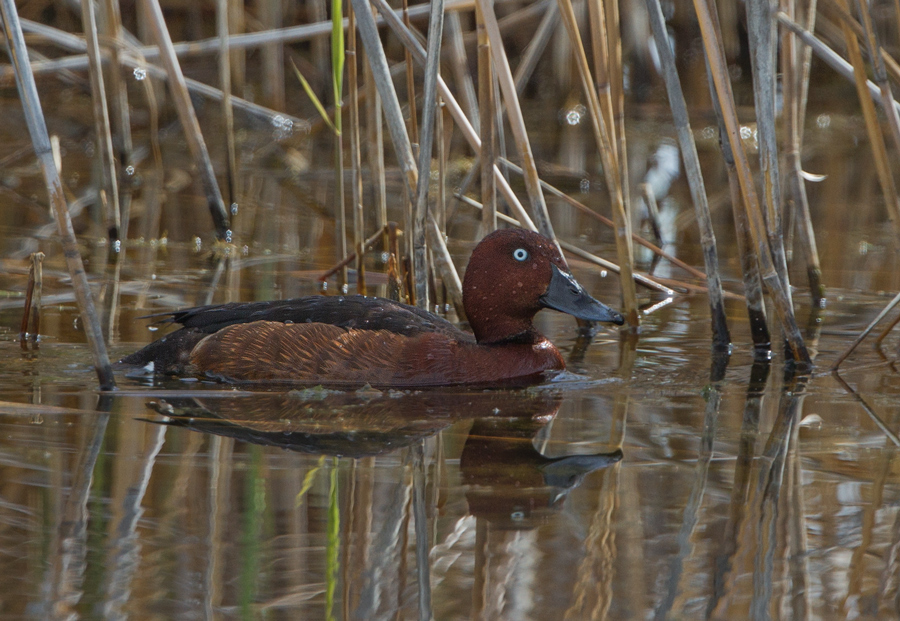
<point>357,340</point>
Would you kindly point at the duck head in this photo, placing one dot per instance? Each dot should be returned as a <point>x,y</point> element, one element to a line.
<point>513,274</point>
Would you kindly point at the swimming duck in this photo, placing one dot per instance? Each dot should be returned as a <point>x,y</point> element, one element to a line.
<point>355,339</point>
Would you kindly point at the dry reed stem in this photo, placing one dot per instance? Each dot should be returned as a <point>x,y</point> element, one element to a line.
<point>444,265</point>
<point>188,118</point>
<point>356,184</point>
<point>535,48</point>
<point>516,120</point>
<point>795,80</point>
<point>719,325</point>
<point>606,135</point>
<point>873,128</point>
<point>426,147</point>
<point>121,117</point>
<point>487,113</point>
<point>879,72</point>
<point>109,178</point>
<point>411,82</point>
<point>375,147</point>
<point>34,117</point>
<point>459,64</point>
<point>33,295</point>
<point>757,227</point>
<point>761,35</point>
<point>272,78</point>
<point>227,111</point>
<point>456,112</point>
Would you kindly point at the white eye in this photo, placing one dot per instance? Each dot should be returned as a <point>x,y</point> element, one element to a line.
<point>520,254</point>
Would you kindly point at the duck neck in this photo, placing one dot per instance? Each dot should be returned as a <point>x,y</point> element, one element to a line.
<point>493,331</point>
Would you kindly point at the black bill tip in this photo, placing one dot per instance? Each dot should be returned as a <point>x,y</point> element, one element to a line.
<point>566,295</point>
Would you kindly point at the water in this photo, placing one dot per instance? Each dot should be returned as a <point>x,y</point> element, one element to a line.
<point>651,481</point>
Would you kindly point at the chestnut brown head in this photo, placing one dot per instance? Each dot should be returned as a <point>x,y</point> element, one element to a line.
<point>513,274</point>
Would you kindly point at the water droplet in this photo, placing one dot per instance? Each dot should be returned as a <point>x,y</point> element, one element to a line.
<point>228,236</point>
<point>117,245</point>
<point>152,328</point>
<point>234,209</point>
<point>140,73</point>
<point>517,516</point>
<point>573,117</point>
<point>198,244</point>
<point>324,287</point>
<point>345,288</point>
<point>585,186</point>
<point>129,170</point>
<point>245,250</point>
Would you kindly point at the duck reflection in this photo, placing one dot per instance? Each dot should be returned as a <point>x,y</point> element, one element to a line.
<point>352,424</point>
<point>510,483</point>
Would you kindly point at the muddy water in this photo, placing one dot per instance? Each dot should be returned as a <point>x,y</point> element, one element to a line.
<point>652,480</point>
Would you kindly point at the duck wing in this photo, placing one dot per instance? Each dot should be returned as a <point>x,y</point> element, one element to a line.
<point>356,312</point>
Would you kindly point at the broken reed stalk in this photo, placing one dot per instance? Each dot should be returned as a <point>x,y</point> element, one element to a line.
<point>795,80</point>
<point>33,294</point>
<point>34,118</point>
<point>873,127</point>
<point>769,274</point>
<point>719,325</point>
<point>109,178</point>
<point>859,339</point>
<point>487,114</point>
<point>121,117</point>
<point>188,117</point>
<point>368,244</point>
<point>355,156</point>
<point>693,271</point>
<point>426,146</point>
<point>455,110</point>
<point>337,83</point>
<point>879,72</point>
<point>761,34</point>
<point>411,81</point>
<point>227,111</point>
<point>607,139</point>
<point>516,120</point>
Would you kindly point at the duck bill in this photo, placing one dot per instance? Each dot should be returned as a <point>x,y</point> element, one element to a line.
<point>566,295</point>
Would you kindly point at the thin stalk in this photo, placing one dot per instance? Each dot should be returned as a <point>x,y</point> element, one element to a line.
<point>770,276</point>
<point>761,29</point>
<point>237,22</point>
<point>444,264</point>
<point>227,110</point>
<point>879,71</point>
<point>487,113</point>
<point>355,156</point>
<point>536,46</point>
<point>721,337</point>
<point>33,294</point>
<point>426,146</point>
<point>795,72</point>
<point>121,117</point>
<point>605,135</point>
<point>458,62</point>
<point>270,15</point>
<point>188,117</point>
<point>109,178</point>
<point>337,81</point>
<point>37,127</point>
<point>516,120</point>
<point>375,150</point>
<point>411,81</point>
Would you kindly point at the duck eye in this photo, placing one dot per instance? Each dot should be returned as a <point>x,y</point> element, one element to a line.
<point>520,254</point>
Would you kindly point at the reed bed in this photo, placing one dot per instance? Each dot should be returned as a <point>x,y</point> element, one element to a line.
<point>484,102</point>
